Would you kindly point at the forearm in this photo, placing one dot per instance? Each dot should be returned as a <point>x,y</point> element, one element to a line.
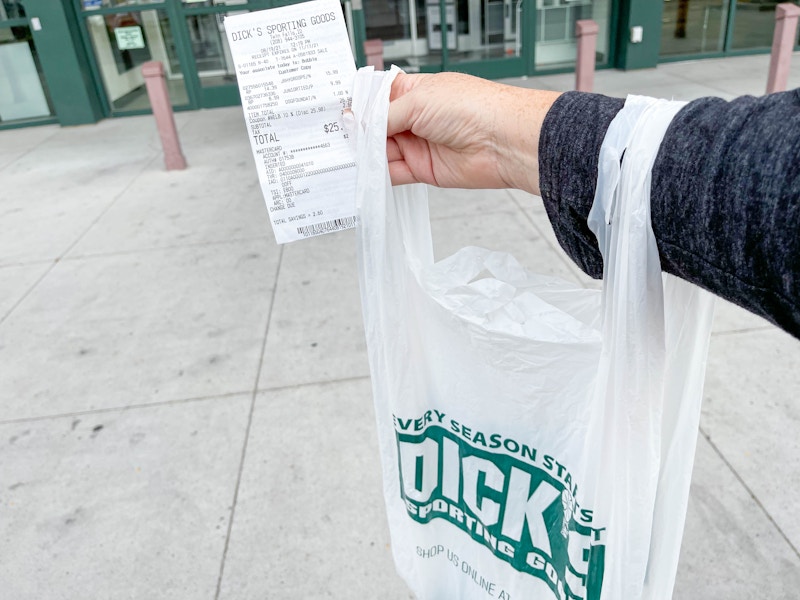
<point>569,147</point>
<point>724,197</point>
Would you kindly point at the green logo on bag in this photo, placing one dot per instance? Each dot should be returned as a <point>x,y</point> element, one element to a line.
<point>507,496</point>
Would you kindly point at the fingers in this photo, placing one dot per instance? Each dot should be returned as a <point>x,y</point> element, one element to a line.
<point>393,150</point>
<point>403,106</point>
<point>401,115</point>
<point>415,154</point>
<point>399,172</point>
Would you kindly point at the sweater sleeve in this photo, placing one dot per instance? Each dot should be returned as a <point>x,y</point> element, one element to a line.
<point>725,197</point>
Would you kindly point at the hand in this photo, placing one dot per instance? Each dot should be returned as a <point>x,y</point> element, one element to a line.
<point>454,130</point>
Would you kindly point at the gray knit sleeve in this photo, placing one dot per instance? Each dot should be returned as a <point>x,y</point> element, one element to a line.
<point>725,194</point>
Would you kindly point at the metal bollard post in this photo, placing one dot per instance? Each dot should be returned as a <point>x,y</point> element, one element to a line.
<point>586,32</point>
<point>786,15</point>
<point>156,83</point>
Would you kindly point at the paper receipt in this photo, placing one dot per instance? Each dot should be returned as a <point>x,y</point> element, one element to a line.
<point>295,69</point>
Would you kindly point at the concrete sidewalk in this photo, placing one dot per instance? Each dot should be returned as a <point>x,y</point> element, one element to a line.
<point>185,407</point>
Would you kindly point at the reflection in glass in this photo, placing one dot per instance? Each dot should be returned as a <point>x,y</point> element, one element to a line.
<point>23,93</point>
<point>122,43</point>
<point>693,26</point>
<point>402,26</point>
<point>388,20</point>
<point>411,30</point>
<point>11,9</point>
<point>556,45</point>
<point>433,18</point>
<point>488,29</point>
<point>210,49</point>
<point>753,25</point>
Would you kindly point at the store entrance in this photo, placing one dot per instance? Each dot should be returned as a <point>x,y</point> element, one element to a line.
<point>482,37</point>
<point>186,36</point>
<point>122,41</point>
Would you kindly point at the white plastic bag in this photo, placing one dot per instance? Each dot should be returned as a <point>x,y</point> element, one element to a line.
<point>536,437</point>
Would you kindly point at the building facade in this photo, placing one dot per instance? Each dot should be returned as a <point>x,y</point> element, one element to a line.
<point>78,61</point>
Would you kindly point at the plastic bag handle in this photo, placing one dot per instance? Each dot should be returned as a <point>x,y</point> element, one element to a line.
<point>394,221</point>
<point>630,378</point>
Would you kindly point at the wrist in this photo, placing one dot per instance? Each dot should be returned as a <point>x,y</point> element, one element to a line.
<point>519,127</point>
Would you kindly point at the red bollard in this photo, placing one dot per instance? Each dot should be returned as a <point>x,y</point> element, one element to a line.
<point>586,33</point>
<point>782,45</point>
<point>374,51</point>
<point>156,83</point>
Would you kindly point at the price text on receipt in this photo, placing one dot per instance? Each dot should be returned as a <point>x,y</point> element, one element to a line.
<point>295,68</point>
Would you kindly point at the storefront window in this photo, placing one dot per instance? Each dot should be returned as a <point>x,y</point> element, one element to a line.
<point>555,30</point>
<point>23,93</point>
<point>391,21</point>
<point>488,29</point>
<point>693,27</point>
<point>122,43</point>
<point>754,25</point>
<point>411,30</point>
<point>701,26</point>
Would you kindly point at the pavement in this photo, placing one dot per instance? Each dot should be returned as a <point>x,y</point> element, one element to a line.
<point>185,406</point>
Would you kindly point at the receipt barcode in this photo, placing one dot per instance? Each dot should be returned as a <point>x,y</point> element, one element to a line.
<point>327,227</point>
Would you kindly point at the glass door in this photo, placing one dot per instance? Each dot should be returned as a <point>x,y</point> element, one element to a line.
<point>186,36</point>
<point>696,27</point>
<point>753,25</point>
<point>708,28</point>
<point>125,34</point>
<point>556,45</point>
<point>482,37</point>
<point>489,37</point>
<point>24,95</point>
<point>202,30</point>
<point>403,27</point>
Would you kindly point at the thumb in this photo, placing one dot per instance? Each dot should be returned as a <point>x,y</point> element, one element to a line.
<point>403,106</point>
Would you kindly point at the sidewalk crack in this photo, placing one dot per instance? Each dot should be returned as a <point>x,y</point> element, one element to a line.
<point>751,493</point>
<point>77,240</point>
<point>247,429</point>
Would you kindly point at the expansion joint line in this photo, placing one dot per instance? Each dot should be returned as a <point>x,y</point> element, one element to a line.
<point>247,429</point>
<point>752,495</point>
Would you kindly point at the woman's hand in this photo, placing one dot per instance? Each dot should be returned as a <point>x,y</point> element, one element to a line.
<point>454,130</point>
